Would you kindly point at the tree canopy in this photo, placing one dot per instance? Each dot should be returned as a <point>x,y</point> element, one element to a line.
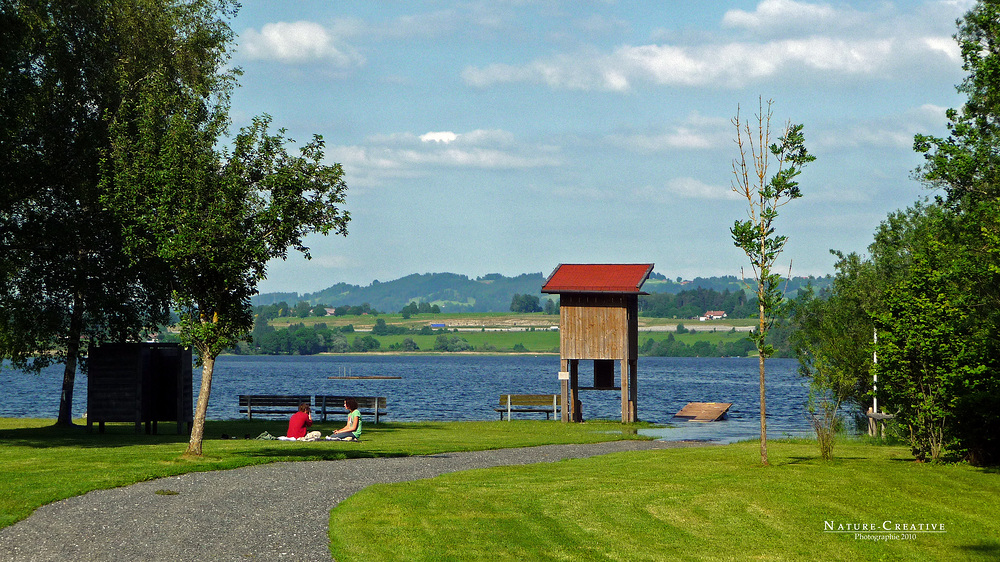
<point>121,192</point>
<point>70,72</point>
<point>930,287</point>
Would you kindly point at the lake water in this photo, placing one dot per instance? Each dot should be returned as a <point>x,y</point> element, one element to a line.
<point>467,387</point>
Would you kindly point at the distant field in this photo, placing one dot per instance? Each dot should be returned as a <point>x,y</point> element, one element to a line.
<point>502,332</point>
<point>699,335</point>
<point>535,342</point>
<point>455,320</point>
<point>505,320</point>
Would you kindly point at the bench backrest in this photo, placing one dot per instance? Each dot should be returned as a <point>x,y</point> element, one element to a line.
<point>276,400</point>
<point>530,399</point>
<point>364,402</point>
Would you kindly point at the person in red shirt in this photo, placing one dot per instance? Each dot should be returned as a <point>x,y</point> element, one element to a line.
<point>300,422</point>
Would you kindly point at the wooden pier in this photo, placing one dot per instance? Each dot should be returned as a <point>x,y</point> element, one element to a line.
<point>704,411</point>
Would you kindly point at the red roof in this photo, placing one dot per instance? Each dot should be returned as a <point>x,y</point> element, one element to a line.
<point>598,278</point>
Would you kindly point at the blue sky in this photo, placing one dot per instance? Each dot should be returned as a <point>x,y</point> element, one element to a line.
<point>510,136</point>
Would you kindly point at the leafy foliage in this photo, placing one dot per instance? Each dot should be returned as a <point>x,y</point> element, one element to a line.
<point>953,369</point>
<point>756,235</point>
<point>695,302</point>
<point>212,218</point>
<point>525,303</point>
<point>71,71</point>
<point>671,347</point>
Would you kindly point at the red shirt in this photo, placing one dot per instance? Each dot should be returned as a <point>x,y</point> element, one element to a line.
<point>298,424</point>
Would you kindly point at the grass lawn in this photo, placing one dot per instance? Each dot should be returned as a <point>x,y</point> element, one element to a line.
<point>452,320</point>
<point>535,342</point>
<point>690,338</point>
<point>42,463</point>
<point>694,503</point>
<point>544,341</point>
<point>707,503</point>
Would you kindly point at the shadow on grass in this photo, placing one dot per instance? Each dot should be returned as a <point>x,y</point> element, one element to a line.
<point>818,459</point>
<point>990,549</point>
<point>239,435</point>
<point>125,435</point>
<point>314,453</point>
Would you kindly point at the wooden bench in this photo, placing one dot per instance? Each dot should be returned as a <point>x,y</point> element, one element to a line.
<point>271,404</point>
<point>529,403</point>
<point>367,405</point>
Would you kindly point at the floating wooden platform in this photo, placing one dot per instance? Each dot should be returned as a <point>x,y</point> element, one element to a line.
<point>704,411</point>
<point>367,377</point>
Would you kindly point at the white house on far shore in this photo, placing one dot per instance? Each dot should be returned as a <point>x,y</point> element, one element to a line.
<point>713,315</point>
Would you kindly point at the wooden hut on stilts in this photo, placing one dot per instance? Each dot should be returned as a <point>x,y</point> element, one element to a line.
<point>599,321</point>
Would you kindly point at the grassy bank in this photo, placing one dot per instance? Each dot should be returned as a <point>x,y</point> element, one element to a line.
<point>710,503</point>
<point>42,463</point>
<point>694,503</point>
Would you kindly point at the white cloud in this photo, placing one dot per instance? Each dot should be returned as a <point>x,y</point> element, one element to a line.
<point>406,155</point>
<point>770,13</point>
<point>578,193</point>
<point>945,45</point>
<point>297,42</point>
<point>695,133</point>
<point>474,158</point>
<point>731,65</point>
<point>685,188</point>
<point>442,137</point>
<point>833,43</point>
<point>332,261</point>
<point>892,131</point>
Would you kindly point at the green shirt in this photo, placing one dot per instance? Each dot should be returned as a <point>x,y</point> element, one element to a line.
<point>355,414</point>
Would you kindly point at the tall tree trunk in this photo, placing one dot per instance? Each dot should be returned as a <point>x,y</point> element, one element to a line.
<point>65,418</point>
<point>763,402</point>
<point>198,427</point>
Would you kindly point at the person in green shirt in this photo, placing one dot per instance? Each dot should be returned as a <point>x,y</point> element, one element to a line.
<point>351,431</point>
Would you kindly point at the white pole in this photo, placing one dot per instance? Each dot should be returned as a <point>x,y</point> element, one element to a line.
<point>875,372</point>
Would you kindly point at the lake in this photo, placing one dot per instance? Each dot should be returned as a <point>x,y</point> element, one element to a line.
<point>467,387</point>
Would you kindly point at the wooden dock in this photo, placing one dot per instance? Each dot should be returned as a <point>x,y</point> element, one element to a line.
<point>704,411</point>
<point>364,378</point>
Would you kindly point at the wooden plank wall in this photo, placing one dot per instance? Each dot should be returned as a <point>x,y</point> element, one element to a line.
<point>595,326</point>
<point>114,389</point>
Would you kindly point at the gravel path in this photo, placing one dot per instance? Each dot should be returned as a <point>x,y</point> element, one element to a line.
<point>277,511</point>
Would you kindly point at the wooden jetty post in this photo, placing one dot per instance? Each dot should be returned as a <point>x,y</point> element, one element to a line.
<point>599,321</point>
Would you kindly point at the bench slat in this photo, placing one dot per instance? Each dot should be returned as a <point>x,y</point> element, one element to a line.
<point>367,405</point>
<point>530,399</point>
<point>529,403</point>
<point>271,404</point>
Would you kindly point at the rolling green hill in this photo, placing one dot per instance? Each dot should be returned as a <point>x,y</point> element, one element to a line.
<point>489,293</point>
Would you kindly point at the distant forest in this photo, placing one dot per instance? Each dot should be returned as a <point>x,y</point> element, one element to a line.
<point>494,293</point>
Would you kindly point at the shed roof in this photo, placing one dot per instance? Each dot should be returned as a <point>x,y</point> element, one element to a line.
<point>598,278</point>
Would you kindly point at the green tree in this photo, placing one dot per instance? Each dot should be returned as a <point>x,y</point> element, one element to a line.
<point>525,303</point>
<point>924,354</point>
<point>832,340</point>
<point>365,344</point>
<point>765,194</point>
<point>965,167</point>
<point>215,219</point>
<point>69,71</point>
<point>303,309</point>
<point>221,219</point>
<point>551,307</point>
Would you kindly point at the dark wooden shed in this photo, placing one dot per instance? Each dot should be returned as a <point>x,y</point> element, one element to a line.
<point>142,383</point>
<point>599,321</point>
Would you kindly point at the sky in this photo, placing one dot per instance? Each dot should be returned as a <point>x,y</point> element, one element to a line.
<point>509,136</point>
